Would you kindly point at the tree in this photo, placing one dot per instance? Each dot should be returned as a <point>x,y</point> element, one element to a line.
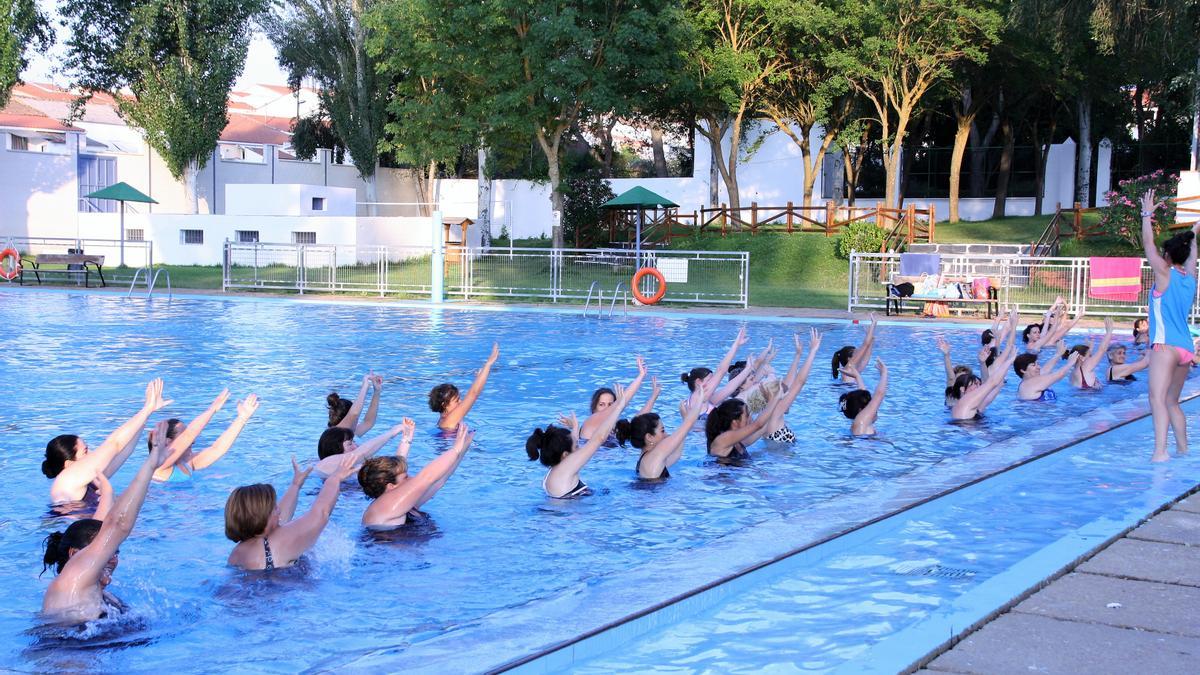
<point>169,64</point>
<point>894,51</point>
<point>540,66</point>
<point>804,91</point>
<point>22,29</point>
<point>326,40</point>
<point>735,57</point>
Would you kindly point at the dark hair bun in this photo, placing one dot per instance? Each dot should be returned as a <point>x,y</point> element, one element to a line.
<point>624,431</point>
<point>49,469</point>
<point>684,378</point>
<point>332,399</point>
<point>533,444</point>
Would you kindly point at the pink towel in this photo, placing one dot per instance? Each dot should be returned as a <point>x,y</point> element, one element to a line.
<point>1116,279</point>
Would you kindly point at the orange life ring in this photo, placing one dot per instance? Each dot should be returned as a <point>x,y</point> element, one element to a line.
<point>658,295</point>
<point>9,275</point>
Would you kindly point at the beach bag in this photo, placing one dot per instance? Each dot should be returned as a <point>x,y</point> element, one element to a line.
<point>981,288</point>
<point>903,290</point>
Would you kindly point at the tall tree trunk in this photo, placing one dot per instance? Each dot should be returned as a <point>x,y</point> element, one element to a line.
<point>483,199</point>
<point>714,188</point>
<point>1139,113</point>
<point>961,133</point>
<point>1083,161</point>
<point>892,154</point>
<point>979,146</point>
<point>660,156</point>
<point>191,192</point>
<point>726,166</point>
<point>1005,169</point>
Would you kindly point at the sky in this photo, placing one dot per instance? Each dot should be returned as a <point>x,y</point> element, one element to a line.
<point>261,65</point>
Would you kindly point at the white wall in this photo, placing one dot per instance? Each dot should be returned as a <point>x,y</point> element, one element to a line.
<point>38,191</point>
<point>242,199</point>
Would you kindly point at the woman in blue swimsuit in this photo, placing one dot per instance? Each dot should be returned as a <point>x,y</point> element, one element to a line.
<point>1171,300</point>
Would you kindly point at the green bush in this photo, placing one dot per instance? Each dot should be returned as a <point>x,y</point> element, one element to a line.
<point>1122,217</point>
<point>861,236</point>
<point>582,197</point>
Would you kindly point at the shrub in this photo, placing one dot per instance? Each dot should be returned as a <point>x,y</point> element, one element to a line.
<point>582,198</point>
<point>1122,216</point>
<point>861,236</point>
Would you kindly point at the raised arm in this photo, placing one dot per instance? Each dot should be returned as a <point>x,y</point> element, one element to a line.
<point>292,539</point>
<point>854,375</point>
<point>655,390</point>
<point>637,380</point>
<point>368,448</point>
<point>101,459</point>
<point>723,367</point>
<point>731,387</point>
<point>574,461</point>
<point>798,376</point>
<point>420,488</point>
<point>85,567</point>
<point>104,491</point>
<point>350,421</point>
<point>246,409</point>
<point>1095,354</point>
<point>455,416</point>
<point>668,450</point>
<point>871,411</point>
<point>748,433</point>
<point>944,348</point>
<point>1162,269</point>
<point>287,505</point>
<point>189,435</point>
<point>373,409</point>
<point>862,355</point>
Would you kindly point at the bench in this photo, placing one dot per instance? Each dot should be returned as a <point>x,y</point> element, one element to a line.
<point>76,266</point>
<point>894,300</point>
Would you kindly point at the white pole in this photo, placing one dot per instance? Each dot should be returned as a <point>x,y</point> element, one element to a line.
<point>122,233</point>
<point>437,269</point>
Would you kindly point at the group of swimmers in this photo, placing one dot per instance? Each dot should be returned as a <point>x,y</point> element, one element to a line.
<point>752,404</point>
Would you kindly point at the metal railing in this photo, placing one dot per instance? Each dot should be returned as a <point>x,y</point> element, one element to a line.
<point>698,277</point>
<point>137,253</point>
<point>1031,283</point>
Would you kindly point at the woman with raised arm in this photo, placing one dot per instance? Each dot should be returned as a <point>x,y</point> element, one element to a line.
<point>861,406</point>
<point>344,414</point>
<point>1141,332</point>
<point>267,537</point>
<point>444,398</point>
<point>1084,376</point>
<point>338,442</point>
<point>559,449</point>
<point>776,429</point>
<point>972,395</point>
<point>729,429</point>
<point>85,555</point>
<point>182,436</point>
<point>646,433</point>
<point>952,371</point>
<point>398,497</point>
<point>1035,384</point>
<point>856,359</point>
<point>1119,370</point>
<point>693,376</point>
<point>73,466</point>
<point>1171,300</point>
<point>604,397</point>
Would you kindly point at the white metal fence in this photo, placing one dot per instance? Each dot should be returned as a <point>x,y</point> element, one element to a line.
<point>137,253</point>
<point>698,277</point>
<point>1030,283</point>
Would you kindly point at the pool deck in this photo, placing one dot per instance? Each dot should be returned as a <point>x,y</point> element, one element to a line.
<point>1132,602</point>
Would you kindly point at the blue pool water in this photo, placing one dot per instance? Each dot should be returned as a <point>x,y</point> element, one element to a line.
<point>497,551</point>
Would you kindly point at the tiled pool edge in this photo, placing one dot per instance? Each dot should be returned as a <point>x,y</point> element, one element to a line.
<point>585,646</point>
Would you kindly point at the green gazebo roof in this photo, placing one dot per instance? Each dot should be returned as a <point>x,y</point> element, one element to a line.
<point>122,192</point>
<point>637,197</point>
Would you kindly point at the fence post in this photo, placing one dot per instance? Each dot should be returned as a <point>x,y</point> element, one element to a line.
<point>753,217</point>
<point>437,268</point>
<point>881,218</point>
<point>911,215</point>
<point>789,217</point>
<point>932,219</point>
<point>830,218</point>
<point>1077,222</point>
<point>300,275</point>
<point>723,212</point>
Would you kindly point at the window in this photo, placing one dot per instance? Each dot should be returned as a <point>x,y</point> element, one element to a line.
<point>246,236</point>
<point>318,203</point>
<point>39,141</point>
<point>135,235</point>
<point>96,173</point>
<point>191,236</point>
<point>18,143</point>
<point>236,152</point>
<point>304,237</point>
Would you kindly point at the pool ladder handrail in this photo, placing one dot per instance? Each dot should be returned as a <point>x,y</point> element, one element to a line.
<point>624,301</point>
<point>151,282</point>
<point>599,303</point>
<point>612,307</point>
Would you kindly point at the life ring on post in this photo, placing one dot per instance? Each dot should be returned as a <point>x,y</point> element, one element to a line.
<point>10,274</point>
<point>648,272</point>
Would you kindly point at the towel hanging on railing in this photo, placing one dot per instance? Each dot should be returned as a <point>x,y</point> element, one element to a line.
<point>1115,279</point>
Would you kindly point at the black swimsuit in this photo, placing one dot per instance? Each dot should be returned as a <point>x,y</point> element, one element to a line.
<point>1127,378</point>
<point>664,474</point>
<point>267,554</point>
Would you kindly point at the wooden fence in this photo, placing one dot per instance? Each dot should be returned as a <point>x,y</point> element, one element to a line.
<point>1070,223</point>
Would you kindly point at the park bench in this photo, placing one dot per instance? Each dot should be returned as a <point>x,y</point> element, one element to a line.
<point>75,266</point>
<point>966,300</point>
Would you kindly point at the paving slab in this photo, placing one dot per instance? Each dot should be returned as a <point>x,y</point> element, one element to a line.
<point>1123,603</point>
<point>1191,504</point>
<point>1149,561</point>
<point>1171,527</point>
<point>1026,643</point>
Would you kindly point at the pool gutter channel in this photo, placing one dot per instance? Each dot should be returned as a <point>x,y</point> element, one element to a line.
<point>1028,592</point>
<point>528,662</point>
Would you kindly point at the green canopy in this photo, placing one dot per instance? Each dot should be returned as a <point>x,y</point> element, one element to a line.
<point>123,192</point>
<point>637,197</point>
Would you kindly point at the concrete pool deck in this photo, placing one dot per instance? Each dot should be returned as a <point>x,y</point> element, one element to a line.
<point>1132,602</point>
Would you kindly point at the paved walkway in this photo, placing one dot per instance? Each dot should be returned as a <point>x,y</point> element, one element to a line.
<point>1134,607</point>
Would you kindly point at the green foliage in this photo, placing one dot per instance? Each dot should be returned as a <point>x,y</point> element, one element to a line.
<point>1122,217</point>
<point>22,29</point>
<point>178,59</point>
<point>314,132</point>
<point>582,197</point>
<point>861,236</point>
<point>325,40</point>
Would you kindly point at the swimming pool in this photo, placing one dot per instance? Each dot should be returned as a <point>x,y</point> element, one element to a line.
<point>498,559</point>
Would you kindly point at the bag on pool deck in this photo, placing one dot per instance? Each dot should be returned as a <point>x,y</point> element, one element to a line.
<point>981,287</point>
<point>903,289</point>
<point>936,310</point>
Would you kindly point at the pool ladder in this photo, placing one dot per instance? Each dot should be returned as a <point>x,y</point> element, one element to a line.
<point>599,293</point>
<point>151,282</point>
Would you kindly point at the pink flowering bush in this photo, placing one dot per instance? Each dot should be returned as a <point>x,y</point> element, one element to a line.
<point>1122,217</point>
